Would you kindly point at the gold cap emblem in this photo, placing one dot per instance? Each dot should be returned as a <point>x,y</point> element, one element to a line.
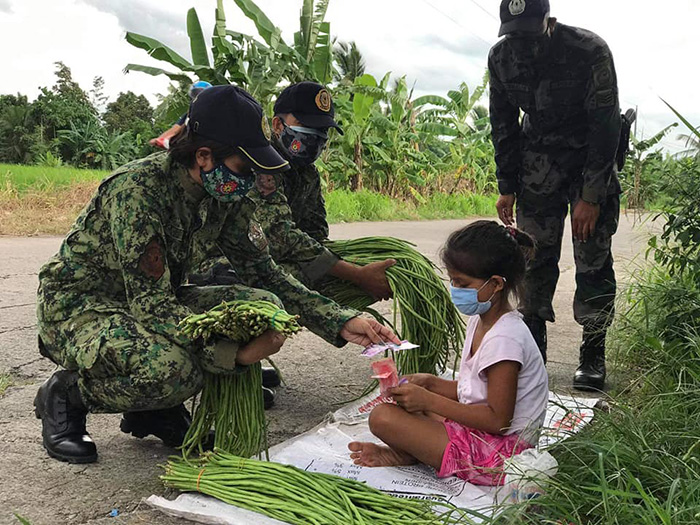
<point>323,100</point>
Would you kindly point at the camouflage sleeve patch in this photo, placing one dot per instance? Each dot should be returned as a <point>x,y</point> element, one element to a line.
<point>605,98</point>
<point>256,235</point>
<point>603,76</point>
<point>266,184</point>
<point>152,260</point>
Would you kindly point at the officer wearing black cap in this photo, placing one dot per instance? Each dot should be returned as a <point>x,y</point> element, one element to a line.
<point>110,301</point>
<point>559,155</point>
<point>304,114</point>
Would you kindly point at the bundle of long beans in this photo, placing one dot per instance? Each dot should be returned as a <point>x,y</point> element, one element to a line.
<point>428,316</point>
<point>232,404</point>
<point>296,496</point>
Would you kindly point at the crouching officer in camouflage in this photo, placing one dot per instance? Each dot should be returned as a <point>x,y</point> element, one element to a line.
<point>110,301</point>
<point>291,208</point>
<point>561,155</point>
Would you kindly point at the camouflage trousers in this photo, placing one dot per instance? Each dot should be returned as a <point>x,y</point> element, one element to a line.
<point>550,187</point>
<point>135,367</point>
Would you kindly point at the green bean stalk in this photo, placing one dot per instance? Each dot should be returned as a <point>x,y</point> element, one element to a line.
<point>295,496</point>
<point>232,404</point>
<point>428,316</point>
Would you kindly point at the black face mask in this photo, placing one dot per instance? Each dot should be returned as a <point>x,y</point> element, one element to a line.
<point>530,47</point>
<point>302,146</point>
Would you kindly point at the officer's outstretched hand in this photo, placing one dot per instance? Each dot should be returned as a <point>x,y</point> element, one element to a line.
<point>261,347</point>
<point>505,205</point>
<point>364,332</point>
<point>583,220</point>
<point>374,280</point>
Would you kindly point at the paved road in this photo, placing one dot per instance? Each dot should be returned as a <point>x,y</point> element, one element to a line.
<point>318,375</point>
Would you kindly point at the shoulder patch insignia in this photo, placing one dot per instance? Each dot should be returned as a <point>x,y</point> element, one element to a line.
<point>323,100</point>
<point>603,75</point>
<point>152,260</point>
<point>267,184</point>
<point>266,128</point>
<point>257,236</point>
<point>517,7</point>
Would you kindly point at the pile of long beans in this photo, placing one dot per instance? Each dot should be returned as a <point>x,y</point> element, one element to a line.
<point>428,316</point>
<point>296,496</point>
<point>232,404</point>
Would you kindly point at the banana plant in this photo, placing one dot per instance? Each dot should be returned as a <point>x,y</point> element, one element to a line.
<point>640,160</point>
<point>258,66</point>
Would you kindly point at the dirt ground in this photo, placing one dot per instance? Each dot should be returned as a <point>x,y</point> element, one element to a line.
<point>319,376</point>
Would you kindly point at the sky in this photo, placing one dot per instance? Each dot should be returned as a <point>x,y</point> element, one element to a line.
<point>437,44</point>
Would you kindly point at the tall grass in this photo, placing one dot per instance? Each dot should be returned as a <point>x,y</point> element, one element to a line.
<point>44,179</point>
<point>639,463</point>
<point>347,206</point>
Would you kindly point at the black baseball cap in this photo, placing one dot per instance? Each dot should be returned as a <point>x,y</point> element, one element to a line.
<point>310,103</point>
<point>231,116</point>
<point>522,16</point>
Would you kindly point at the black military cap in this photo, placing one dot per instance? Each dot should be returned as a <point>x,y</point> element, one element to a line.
<point>524,16</point>
<point>230,115</point>
<point>310,103</point>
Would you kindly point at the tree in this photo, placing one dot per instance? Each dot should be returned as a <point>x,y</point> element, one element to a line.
<point>63,105</point>
<point>351,63</point>
<point>16,128</point>
<point>97,95</point>
<point>129,112</point>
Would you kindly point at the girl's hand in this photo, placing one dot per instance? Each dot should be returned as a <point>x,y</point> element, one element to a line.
<point>423,380</point>
<point>412,398</point>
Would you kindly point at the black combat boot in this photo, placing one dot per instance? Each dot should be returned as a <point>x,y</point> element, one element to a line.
<point>169,424</point>
<point>63,414</point>
<point>538,329</point>
<point>268,397</point>
<point>270,378</point>
<point>590,374</point>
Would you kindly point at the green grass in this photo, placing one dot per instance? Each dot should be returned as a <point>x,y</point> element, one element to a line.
<point>347,206</point>
<point>29,188</point>
<point>41,178</point>
<point>5,381</point>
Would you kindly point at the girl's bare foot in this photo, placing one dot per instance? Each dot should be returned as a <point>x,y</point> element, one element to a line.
<point>371,455</point>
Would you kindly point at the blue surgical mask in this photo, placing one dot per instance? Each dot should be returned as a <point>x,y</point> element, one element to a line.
<point>467,300</point>
<point>226,185</point>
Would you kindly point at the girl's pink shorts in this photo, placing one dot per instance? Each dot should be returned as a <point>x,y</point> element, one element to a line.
<point>477,456</point>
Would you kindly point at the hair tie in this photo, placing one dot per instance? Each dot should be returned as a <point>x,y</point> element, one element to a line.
<point>511,231</point>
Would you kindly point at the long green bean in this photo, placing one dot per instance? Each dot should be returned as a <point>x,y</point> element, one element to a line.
<point>299,497</point>
<point>232,405</point>
<point>428,316</point>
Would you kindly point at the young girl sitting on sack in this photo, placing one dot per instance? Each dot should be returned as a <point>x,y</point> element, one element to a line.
<point>495,410</point>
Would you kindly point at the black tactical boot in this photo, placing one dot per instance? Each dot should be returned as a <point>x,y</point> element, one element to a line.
<point>62,413</point>
<point>268,397</point>
<point>169,424</point>
<point>538,329</point>
<point>270,378</point>
<point>590,374</point>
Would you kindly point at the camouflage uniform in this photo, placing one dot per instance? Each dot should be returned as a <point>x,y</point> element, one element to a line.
<point>563,151</point>
<point>109,302</point>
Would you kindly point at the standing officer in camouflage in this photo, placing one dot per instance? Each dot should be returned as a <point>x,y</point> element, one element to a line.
<point>110,301</point>
<point>560,155</point>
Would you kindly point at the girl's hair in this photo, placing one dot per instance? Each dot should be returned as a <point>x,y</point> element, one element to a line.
<point>485,248</point>
<point>184,146</point>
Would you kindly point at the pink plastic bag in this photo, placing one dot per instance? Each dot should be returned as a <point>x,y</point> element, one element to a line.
<point>385,370</point>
